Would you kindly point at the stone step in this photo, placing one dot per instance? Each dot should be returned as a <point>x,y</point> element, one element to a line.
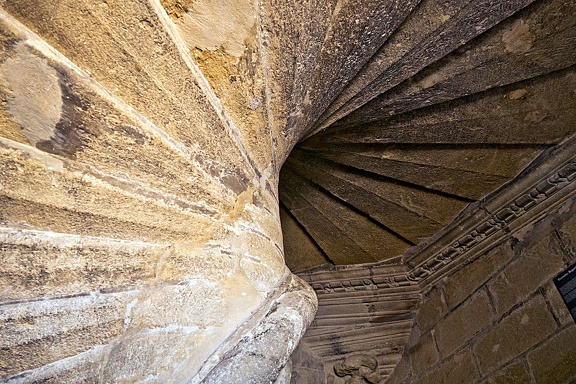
<point>533,42</point>
<point>463,185</point>
<point>295,32</point>
<point>357,30</point>
<point>303,250</point>
<point>325,217</point>
<point>498,116</point>
<point>429,34</point>
<point>80,202</point>
<point>42,265</point>
<point>129,48</point>
<point>406,223</point>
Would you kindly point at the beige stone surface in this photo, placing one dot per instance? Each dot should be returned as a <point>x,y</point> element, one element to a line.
<point>567,233</point>
<point>141,143</point>
<point>431,310</point>
<point>471,277</point>
<point>534,267</point>
<point>184,247</point>
<point>43,265</point>
<point>559,308</point>
<point>463,323</point>
<point>458,369</point>
<point>516,333</point>
<point>515,373</point>
<point>42,332</point>
<point>554,361</point>
<point>424,355</point>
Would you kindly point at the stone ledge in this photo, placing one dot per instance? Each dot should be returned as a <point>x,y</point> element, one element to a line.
<point>260,351</point>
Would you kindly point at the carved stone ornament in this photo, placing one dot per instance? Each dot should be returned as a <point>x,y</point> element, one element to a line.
<point>361,368</point>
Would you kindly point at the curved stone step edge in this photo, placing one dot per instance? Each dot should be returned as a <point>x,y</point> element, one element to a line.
<point>254,351</point>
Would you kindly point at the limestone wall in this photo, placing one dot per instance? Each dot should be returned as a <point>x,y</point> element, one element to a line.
<point>500,319</point>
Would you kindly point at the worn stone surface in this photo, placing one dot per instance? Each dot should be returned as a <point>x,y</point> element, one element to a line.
<point>305,253</point>
<point>490,116</point>
<point>463,323</point>
<point>459,369</point>
<point>464,282</point>
<point>432,309</point>
<point>141,146</point>
<point>524,275</point>
<point>37,265</point>
<point>424,355</point>
<point>516,49</point>
<point>522,329</point>
<point>554,361</point>
<point>559,308</point>
<point>142,236</point>
<point>399,218</point>
<point>38,333</point>
<point>567,233</point>
<point>516,373</point>
<point>260,355</point>
<point>82,368</point>
<point>306,368</point>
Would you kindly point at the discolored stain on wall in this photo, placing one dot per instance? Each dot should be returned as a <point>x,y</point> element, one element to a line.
<point>35,99</point>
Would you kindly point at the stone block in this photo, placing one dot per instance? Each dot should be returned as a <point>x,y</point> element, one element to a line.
<point>458,369</point>
<point>135,71</point>
<point>567,234</point>
<point>516,373</point>
<point>424,355</point>
<point>402,372</point>
<point>431,310</point>
<point>515,334</point>
<point>555,360</point>
<point>465,281</point>
<point>197,303</point>
<point>532,269</point>
<point>42,332</point>
<point>46,265</point>
<point>559,308</point>
<point>157,355</point>
<point>463,323</point>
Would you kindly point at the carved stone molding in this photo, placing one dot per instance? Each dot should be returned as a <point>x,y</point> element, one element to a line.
<point>370,307</point>
<point>362,368</point>
<point>563,179</point>
<point>547,183</point>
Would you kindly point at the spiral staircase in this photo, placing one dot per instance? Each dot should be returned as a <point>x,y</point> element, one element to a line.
<point>152,148</point>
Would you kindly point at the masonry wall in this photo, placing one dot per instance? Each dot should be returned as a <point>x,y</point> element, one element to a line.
<point>500,319</point>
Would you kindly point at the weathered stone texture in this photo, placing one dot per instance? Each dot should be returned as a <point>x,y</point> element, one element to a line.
<point>141,143</point>
<point>567,234</point>
<point>527,335</point>
<point>465,281</point>
<point>260,355</point>
<point>516,373</point>
<point>424,355</point>
<point>557,305</point>
<point>459,369</point>
<point>41,265</point>
<point>526,274</point>
<point>42,332</point>
<point>514,334</point>
<point>122,180</point>
<point>432,309</point>
<point>463,323</point>
<point>554,361</point>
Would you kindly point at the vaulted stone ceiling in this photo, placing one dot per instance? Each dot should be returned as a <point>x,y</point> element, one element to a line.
<point>411,111</point>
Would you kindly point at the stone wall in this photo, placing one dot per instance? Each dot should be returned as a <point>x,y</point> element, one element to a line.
<point>499,318</point>
<point>140,238</point>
